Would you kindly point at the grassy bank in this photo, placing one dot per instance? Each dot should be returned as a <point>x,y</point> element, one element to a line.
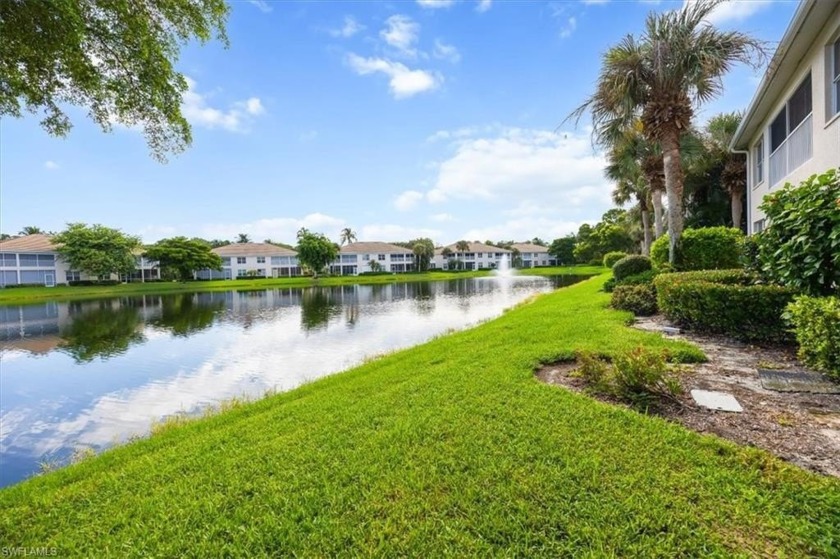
<point>23,295</point>
<point>451,448</point>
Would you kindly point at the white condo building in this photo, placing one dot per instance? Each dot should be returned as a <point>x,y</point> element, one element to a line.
<point>791,129</point>
<point>477,256</point>
<point>356,258</point>
<point>253,260</point>
<point>533,255</point>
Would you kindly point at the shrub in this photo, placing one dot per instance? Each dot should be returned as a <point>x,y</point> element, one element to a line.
<point>639,377</point>
<point>709,248</point>
<point>801,249</point>
<point>93,282</point>
<point>611,258</point>
<point>659,253</point>
<point>630,266</point>
<point>609,285</point>
<point>750,261</point>
<point>640,279</point>
<point>724,302</point>
<point>816,322</point>
<point>638,299</point>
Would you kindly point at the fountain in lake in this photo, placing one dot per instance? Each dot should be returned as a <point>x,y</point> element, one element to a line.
<point>503,269</point>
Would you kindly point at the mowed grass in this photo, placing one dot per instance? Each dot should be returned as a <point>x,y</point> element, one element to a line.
<point>23,295</point>
<point>452,448</point>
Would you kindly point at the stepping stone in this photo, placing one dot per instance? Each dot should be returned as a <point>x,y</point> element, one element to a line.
<point>797,381</point>
<point>721,401</point>
<point>670,330</point>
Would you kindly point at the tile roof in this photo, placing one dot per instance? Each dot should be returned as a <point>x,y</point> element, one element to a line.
<point>28,243</point>
<point>529,247</point>
<point>253,249</point>
<point>374,248</point>
<point>475,247</point>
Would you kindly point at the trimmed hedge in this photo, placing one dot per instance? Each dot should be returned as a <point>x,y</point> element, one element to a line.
<point>709,248</point>
<point>816,322</point>
<point>725,302</point>
<point>611,258</point>
<point>630,266</point>
<point>638,299</point>
<point>93,282</point>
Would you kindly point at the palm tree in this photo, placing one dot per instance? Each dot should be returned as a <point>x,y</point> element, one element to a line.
<point>424,251</point>
<point>243,238</point>
<point>678,62</point>
<point>30,230</point>
<point>719,133</point>
<point>462,246</point>
<point>348,236</point>
<point>631,183</point>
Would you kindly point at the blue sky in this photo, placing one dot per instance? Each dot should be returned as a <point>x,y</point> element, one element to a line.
<point>397,119</point>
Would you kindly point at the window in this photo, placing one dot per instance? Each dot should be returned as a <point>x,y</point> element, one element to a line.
<point>73,275</point>
<point>226,261</point>
<point>260,259</point>
<point>8,259</point>
<point>758,158</point>
<point>241,273</point>
<point>46,260</point>
<point>758,226</point>
<point>28,259</point>
<point>381,257</point>
<point>835,74</point>
<point>261,272</point>
<point>366,257</point>
<point>240,259</point>
<point>792,114</point>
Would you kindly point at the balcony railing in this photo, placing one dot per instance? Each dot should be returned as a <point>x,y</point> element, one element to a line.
<point>794,151</point>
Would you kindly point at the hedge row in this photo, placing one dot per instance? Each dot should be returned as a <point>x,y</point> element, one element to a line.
<point>816,321</point>
<point>725,302</point>
<point>709,248</point>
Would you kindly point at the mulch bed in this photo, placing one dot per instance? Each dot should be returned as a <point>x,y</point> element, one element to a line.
<point>800,427</point>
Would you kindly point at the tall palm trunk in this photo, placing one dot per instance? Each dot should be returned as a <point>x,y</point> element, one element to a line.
<point>673,188</point>
<point>646,229</point>
<point>656,196</point>
<point>737,208</point>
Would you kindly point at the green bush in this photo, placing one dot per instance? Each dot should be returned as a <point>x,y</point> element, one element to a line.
<point>639,279</point>
<point>609,285</point>
<point>725,302</point>
<point>708,248</point>
<point>816,322</point>
<point>639,377</point>
<point>638,299</point>
<point>801,249</point>
<point>92,282</point>
<point>630,266</point>
<point>611,258</point>
<point>659,253</point>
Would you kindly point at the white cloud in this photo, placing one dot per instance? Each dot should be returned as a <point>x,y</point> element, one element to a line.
<point>390,232</point>
<point>154,233</point>
<point>282,229</point>
<point>569,28</point>
<point>442,217</point>
<point>197,111</point>
<point>446,52</point>
<point>262,5</point>
<point>435,4</point>
<point>404,82</point>
<point>350,28</point>
<point>524,228</point>
<point>50,165</point>
<point>483,5</point>
<point>548,174</point>
<point>407,200</point>
<point>401,32</point>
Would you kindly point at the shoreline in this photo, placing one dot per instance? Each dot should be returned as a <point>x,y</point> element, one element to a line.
<point>26,295</point>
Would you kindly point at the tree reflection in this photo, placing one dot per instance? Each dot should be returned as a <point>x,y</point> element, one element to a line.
<point>317,306</point>
<point>186,314</point>
<point>103,331</point>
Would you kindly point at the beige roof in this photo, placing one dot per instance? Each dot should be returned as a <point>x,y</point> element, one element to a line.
<point>28,243</point>
<point>475,247</point>
<point>253,249</point>
<point>374,248</point>
<point>529,247</point>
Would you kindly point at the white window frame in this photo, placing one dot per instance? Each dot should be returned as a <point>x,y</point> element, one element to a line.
<point>835,79</point>
<point>758,166</point>
<point>241,260</point>
<point>260,259</point>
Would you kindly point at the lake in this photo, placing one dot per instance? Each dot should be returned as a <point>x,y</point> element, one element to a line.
<point>90,374</point>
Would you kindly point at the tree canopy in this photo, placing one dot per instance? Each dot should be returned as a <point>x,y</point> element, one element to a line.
<point>424,251</point>
<point>315,251</point>
<point>563,249</point>
<point>180,256</point>
<point>97,250</point>
<point>114,58</point>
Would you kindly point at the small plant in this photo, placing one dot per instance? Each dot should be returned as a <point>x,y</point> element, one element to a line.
<point>611,258</point>
<point>816,322</point>
<point>631,265</point>
<point>640,377</point>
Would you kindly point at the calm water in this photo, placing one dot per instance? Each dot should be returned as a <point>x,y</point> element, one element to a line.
<point>93,373</point>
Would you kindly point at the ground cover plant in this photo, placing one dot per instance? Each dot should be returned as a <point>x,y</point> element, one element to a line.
<point>65,293</point>
<point>451,448</point>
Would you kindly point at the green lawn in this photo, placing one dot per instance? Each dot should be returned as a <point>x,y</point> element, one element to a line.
<point>451,448</point>
<point>23,295</point>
